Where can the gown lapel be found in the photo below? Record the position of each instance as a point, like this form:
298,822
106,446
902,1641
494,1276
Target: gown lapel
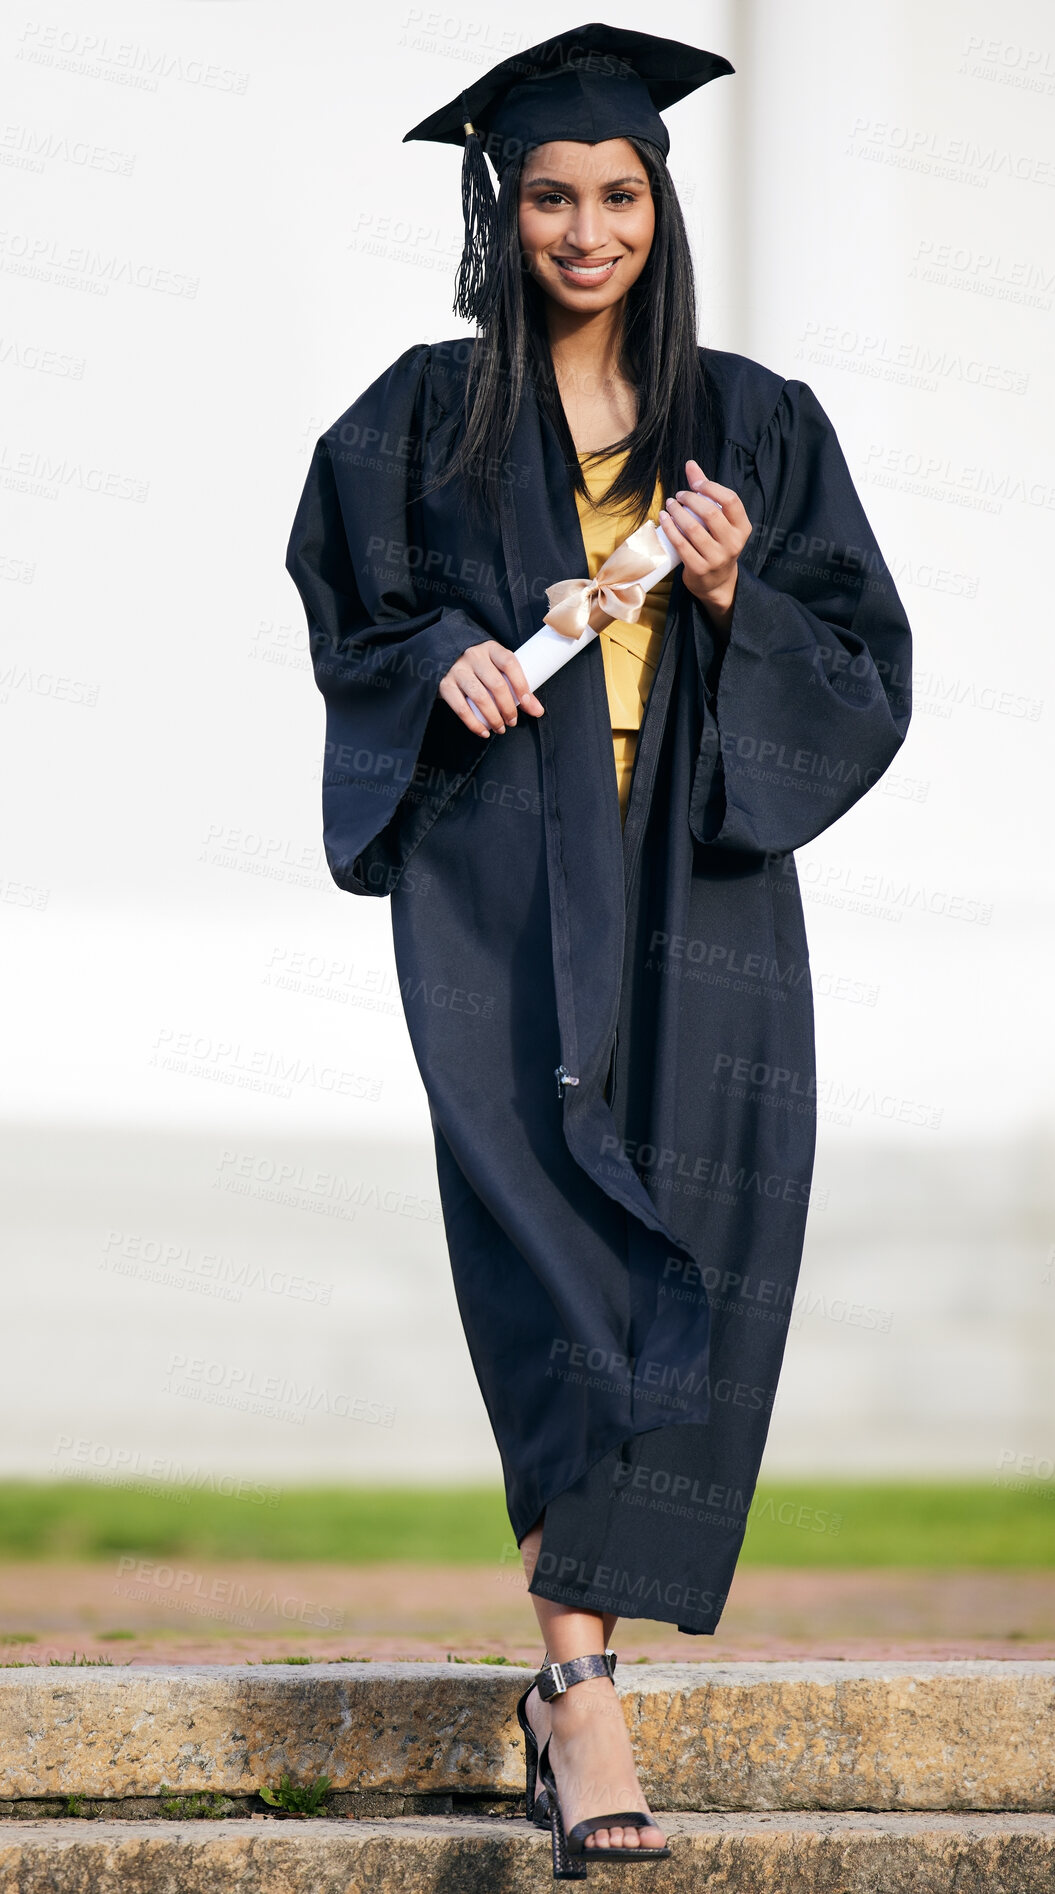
592,859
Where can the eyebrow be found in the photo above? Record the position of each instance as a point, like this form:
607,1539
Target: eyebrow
558,185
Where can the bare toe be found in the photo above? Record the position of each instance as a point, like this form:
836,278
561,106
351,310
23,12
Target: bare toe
626,1838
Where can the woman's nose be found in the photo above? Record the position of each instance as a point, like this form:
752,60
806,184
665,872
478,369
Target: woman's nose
586,229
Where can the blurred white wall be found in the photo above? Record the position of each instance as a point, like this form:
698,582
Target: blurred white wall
213,239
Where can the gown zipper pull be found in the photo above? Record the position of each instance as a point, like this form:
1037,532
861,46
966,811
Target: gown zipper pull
563,1078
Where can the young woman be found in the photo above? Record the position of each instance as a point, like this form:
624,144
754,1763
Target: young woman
596,917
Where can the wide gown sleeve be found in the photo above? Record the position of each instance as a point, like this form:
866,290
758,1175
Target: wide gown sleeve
809,700
378,656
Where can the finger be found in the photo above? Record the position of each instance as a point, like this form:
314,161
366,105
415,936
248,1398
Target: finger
695,532
731,503
703,506
494,679
690,555
713,517
468,675
466,710
699,483
698,480
463,709
508,662
711,511
481,700
468,678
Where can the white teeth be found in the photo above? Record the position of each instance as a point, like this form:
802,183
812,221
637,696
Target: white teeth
586,269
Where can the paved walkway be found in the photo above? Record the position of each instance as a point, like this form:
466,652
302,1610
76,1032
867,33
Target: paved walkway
146,1611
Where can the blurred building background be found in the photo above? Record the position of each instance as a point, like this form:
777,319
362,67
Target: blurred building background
225,1249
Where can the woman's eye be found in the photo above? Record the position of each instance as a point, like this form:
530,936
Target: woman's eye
558,197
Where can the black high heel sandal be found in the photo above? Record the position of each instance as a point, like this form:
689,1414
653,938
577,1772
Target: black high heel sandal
536,1806
570,1854
536,1800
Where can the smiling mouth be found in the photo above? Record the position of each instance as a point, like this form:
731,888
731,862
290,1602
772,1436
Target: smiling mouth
581,272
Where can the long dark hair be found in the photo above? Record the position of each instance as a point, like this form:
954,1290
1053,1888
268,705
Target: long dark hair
658,354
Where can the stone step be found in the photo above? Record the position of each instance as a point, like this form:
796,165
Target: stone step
751,1854
897,1735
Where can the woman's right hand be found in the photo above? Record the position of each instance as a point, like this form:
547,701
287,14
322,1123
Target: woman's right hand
491,675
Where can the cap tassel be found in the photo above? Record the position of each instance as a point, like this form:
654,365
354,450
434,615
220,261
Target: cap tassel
480,213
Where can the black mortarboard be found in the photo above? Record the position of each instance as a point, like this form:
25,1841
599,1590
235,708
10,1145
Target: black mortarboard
592,83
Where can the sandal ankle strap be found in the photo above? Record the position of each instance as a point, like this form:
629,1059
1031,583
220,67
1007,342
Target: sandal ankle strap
554,1679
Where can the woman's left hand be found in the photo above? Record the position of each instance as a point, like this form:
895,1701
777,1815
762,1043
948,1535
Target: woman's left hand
709,538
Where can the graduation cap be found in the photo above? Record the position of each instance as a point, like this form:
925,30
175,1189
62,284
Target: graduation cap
589,84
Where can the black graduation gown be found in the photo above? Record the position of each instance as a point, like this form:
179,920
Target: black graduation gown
625,1244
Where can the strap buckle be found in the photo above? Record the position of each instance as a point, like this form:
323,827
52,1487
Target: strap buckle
555,1679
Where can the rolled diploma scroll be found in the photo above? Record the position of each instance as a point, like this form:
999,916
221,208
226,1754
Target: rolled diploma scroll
547,650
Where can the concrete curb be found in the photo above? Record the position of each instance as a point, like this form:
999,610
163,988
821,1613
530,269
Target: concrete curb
897,1736
728,1854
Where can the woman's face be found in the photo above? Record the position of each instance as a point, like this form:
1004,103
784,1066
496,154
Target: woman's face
586,221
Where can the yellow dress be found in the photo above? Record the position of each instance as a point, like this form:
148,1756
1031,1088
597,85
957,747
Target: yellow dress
630,652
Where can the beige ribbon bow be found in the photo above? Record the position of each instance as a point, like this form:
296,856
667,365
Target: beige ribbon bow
615,591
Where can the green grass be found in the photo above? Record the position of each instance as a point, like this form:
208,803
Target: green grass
917,1524
81,1519
804,1523
298,1798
